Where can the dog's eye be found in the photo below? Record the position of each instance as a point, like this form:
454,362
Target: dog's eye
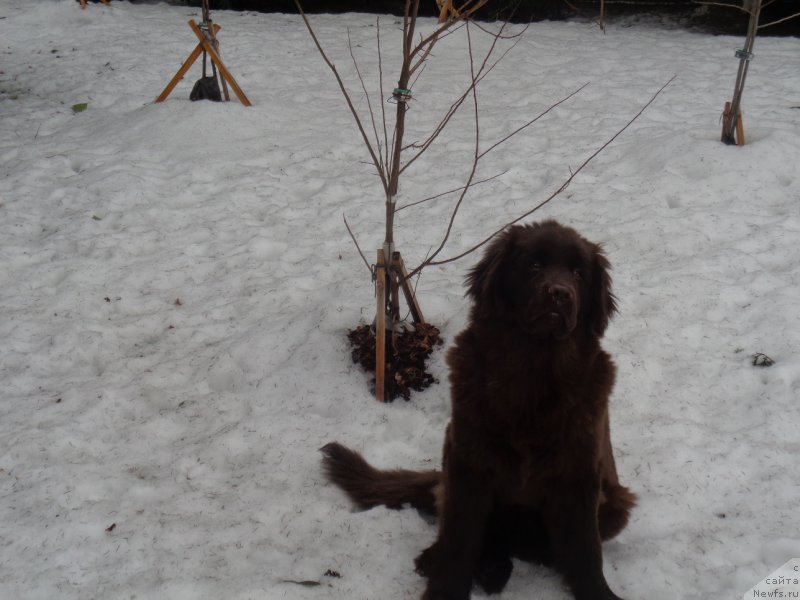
536,267
577,274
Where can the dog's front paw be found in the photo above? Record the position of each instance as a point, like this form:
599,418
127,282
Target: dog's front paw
492,572
435,594
425,561
606,594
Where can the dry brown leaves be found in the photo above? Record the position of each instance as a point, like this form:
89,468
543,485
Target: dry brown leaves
406,354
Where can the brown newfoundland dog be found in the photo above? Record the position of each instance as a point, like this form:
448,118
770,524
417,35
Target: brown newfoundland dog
528,470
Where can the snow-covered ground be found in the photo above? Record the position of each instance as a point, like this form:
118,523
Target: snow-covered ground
176,284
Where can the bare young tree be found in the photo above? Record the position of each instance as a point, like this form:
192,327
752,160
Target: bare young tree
388,152
391,156
732,128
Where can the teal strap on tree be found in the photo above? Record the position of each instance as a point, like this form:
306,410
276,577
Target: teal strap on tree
742,53
402,94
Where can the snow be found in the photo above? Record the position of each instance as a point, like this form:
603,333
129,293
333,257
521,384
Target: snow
176,284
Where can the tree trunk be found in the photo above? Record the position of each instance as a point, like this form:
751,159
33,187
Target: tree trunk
729,124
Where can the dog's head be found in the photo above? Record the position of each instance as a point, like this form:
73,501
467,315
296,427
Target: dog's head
546,279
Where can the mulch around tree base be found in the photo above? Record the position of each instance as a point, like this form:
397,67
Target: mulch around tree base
406,355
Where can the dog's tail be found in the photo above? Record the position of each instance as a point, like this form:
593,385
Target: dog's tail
368,486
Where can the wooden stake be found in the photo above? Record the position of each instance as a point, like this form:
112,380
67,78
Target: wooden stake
603,15
380,328
739,130
411,298
739,127
446,9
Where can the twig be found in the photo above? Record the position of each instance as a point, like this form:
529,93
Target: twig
475,160
481,73
421,60
366,95
380,85
794,16
502,37
453,191
516,131
346,94
532,121
553,195
417,76
450,31
355,241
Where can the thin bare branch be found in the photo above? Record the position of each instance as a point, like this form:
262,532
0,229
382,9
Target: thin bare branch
450,31
425,45
421,60
480,74
417,76
563,187
369,102
355,241
473,169
375,160
453,191
510,36
450,113
532,121
794,16
394,140
380,90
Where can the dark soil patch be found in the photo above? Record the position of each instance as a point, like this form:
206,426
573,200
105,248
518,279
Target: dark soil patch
406,355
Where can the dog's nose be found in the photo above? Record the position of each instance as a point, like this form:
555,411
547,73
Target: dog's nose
560,293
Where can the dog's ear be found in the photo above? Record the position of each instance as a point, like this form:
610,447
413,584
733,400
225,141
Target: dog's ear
601,303
486,281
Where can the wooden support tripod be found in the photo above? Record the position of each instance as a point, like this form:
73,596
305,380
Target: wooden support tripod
206,33
390,278
446,9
